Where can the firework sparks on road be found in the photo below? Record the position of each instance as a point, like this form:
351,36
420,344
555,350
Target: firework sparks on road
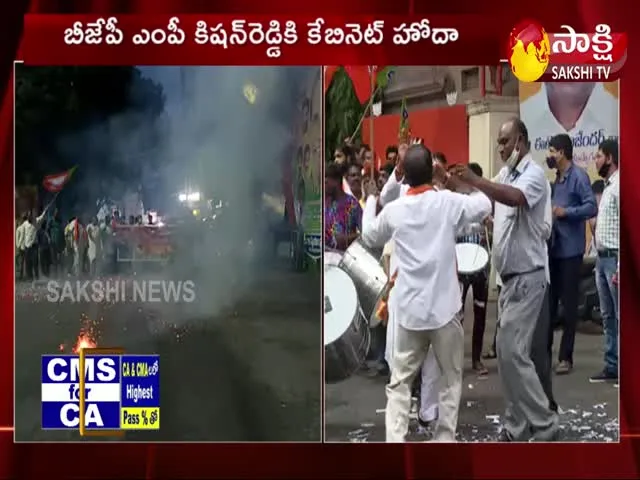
87,338
83,341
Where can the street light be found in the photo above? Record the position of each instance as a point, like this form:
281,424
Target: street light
192,197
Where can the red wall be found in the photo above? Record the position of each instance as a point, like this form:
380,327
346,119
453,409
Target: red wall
443,129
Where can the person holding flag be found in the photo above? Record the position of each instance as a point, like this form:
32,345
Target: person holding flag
55,183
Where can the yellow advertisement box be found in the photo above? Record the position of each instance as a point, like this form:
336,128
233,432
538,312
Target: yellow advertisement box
140,418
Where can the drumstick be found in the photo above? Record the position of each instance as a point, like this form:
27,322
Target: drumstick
486,232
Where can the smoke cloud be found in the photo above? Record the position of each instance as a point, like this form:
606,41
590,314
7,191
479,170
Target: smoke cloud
212,139
222,144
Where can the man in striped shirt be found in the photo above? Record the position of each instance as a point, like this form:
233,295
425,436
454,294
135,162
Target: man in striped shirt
607,261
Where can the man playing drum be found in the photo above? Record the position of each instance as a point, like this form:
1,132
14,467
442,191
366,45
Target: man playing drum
476,233
423,224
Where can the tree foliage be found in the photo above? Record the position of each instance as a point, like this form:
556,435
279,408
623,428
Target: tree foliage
343,110
65,116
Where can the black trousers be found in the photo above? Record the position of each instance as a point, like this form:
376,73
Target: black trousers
565,287
31,262
480,289
45,260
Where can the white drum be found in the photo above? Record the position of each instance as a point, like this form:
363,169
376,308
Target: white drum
472,258
346,334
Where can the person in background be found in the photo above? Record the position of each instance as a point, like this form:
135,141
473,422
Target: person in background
108,257
380,365
44,249
56,234
597,188
365,155
607,262
20,248
29,244
573,204
94,246
342,212
479,282
76,235
116,219
384,174
344,154
354,180
442,160
391,155
132,220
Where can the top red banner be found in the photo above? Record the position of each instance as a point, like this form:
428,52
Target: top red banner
268,40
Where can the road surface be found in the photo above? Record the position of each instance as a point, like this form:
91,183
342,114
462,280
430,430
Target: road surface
354,409
251,371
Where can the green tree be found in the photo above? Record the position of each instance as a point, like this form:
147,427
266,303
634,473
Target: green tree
343,110
54,103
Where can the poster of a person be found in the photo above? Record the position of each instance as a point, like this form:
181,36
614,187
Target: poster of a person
587,112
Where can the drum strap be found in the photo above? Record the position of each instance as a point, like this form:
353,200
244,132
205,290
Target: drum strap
383,309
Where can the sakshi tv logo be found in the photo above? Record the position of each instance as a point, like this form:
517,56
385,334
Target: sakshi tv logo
537,55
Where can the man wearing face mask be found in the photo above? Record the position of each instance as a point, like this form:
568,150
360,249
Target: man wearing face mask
607,262
573,204
520,257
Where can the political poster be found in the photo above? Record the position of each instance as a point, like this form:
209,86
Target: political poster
587,112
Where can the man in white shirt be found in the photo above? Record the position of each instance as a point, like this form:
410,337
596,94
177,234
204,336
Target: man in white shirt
26,237
520,257
94,250
20,252
422,224
607,262
426,385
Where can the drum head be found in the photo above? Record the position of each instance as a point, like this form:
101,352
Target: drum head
340,303
471,258
332,257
